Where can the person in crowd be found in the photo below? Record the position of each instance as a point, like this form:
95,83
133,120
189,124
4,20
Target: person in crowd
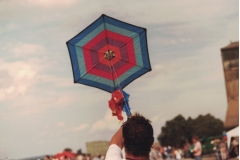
223,150
197,150
169,152
216,148
88,156
185,150
47,158
234,148
163,153
155,153
102,157
178,154
136,136
97,157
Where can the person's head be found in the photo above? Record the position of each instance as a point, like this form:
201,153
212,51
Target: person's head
195,139
138,135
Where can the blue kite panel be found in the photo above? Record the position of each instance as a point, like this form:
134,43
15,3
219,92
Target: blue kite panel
86,31
144,48
74,60
121,24
96,85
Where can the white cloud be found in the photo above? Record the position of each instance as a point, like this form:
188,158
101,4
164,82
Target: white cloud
27,111
61,124
109,122
48,4
19,76
56,80
99,125
53,3
50,133
154,119
22,49
80,127
170,40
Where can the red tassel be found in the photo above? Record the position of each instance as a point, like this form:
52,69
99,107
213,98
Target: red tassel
116,104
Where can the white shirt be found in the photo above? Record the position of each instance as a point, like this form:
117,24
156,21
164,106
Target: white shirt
198,149
114,153
178,154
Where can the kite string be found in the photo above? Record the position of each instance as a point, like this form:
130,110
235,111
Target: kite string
114,74
117,80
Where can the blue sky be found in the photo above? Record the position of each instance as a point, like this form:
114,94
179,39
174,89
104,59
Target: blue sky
42,111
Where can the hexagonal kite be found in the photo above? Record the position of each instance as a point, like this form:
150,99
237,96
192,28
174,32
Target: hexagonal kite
109,54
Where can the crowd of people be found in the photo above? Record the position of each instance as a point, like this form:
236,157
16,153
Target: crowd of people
166,153
171,153
75,157
219,150
222,151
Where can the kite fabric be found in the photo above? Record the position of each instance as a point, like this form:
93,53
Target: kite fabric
106,35
109,54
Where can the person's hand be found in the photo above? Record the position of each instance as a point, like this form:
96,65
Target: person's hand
117,138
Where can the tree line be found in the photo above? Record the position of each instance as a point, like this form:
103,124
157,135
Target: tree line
179,131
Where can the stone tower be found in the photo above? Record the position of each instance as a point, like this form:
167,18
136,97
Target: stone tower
230,61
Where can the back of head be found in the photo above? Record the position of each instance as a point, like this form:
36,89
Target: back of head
195,138
138,135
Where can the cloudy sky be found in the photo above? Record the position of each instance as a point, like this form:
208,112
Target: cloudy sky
42,111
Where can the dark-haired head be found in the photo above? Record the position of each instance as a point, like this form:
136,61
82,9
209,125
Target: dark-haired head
195,139
138,135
